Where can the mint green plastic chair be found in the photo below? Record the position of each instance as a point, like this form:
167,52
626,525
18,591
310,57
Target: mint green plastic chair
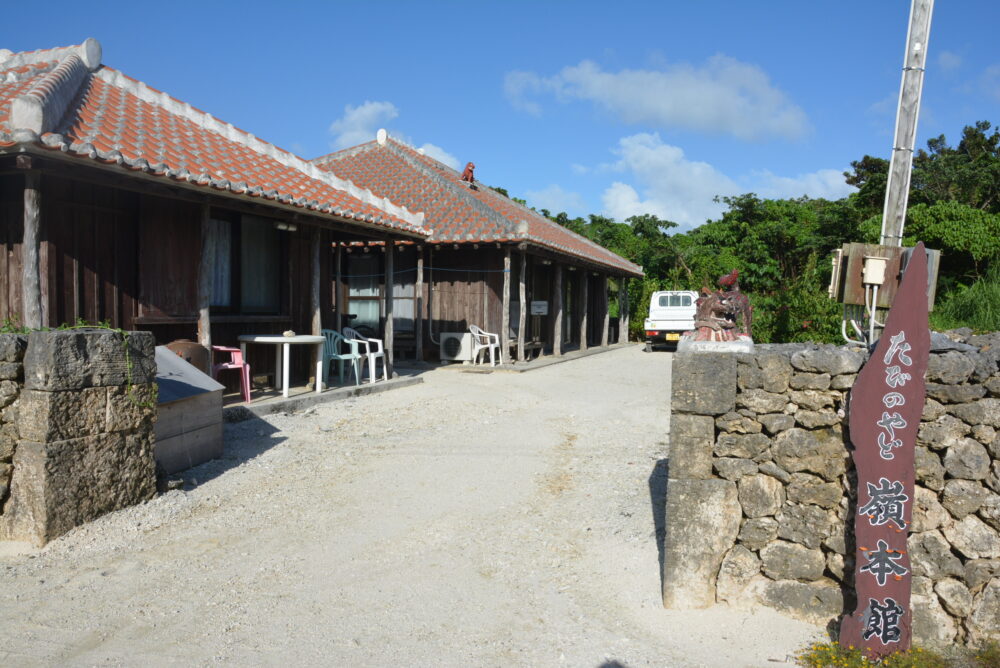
333,349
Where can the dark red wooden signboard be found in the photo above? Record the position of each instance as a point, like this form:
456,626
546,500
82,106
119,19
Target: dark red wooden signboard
886,402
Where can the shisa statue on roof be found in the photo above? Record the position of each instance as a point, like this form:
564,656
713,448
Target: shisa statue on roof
725,314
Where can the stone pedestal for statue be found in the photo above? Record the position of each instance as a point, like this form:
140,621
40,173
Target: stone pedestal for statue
689,344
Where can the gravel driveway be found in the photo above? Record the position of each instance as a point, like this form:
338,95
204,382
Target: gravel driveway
477,519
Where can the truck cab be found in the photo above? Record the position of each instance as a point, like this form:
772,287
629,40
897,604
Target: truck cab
671,313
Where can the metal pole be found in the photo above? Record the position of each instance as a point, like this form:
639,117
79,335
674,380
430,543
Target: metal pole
897,189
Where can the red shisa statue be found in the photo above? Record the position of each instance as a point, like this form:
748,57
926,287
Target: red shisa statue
723,315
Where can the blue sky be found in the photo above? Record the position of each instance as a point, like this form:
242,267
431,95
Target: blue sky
588,107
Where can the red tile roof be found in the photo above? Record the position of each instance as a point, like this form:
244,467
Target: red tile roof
89,111
454,212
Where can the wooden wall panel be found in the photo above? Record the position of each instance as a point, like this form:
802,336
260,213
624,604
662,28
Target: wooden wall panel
11,225
169,254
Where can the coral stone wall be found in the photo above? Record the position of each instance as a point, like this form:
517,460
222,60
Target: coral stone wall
12,347
76,428
760,487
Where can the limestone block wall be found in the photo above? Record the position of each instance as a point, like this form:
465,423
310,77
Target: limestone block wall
76,428
760,497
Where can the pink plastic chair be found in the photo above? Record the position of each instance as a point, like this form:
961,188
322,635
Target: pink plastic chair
235,362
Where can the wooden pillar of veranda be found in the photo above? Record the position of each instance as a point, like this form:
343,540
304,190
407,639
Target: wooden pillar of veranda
338,308
584,308
206,270
31,275
605,311
505,316
316,326
623,310
419,295
522,293
390,284
557,306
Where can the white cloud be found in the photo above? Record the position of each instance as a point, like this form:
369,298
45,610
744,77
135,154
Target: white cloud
948,60
359,124
439,154
672,186
556,199
821,184
991,81
723,96
669,185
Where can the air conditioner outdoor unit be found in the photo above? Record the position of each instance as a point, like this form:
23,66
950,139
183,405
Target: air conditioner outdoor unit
456,347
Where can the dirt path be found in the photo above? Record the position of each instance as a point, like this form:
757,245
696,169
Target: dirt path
474,520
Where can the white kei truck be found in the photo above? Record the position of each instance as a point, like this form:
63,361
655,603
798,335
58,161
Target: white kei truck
671,313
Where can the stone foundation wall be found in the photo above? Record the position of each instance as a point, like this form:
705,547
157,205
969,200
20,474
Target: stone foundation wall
760,497
12,347
76,428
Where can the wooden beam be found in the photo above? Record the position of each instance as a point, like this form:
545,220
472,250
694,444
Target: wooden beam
606,311
584,308
206,270
418,293
390,284
522,318
31,282
314,298
558,307
623,310
505,316
338,295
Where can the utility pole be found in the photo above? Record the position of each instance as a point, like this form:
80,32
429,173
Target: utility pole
898,188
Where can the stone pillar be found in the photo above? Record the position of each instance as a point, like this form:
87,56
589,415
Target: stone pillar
702,512
85,427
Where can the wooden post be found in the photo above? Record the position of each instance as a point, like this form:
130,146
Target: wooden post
206,271
623,309
584,308
558,307
338,297
522,319
505,316
31,281
607,312
419,295
390,284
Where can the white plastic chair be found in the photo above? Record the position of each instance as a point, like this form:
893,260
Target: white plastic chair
373,350
482,341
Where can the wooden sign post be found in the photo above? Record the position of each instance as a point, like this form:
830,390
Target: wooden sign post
885,406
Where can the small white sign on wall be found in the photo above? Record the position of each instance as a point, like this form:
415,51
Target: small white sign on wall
539,308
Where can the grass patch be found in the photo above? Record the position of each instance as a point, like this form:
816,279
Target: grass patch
834,655
976,306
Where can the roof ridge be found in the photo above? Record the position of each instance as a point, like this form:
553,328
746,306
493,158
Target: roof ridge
483,208
44,104
210,123
89,52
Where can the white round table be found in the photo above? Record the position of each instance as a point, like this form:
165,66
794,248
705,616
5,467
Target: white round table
282,344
